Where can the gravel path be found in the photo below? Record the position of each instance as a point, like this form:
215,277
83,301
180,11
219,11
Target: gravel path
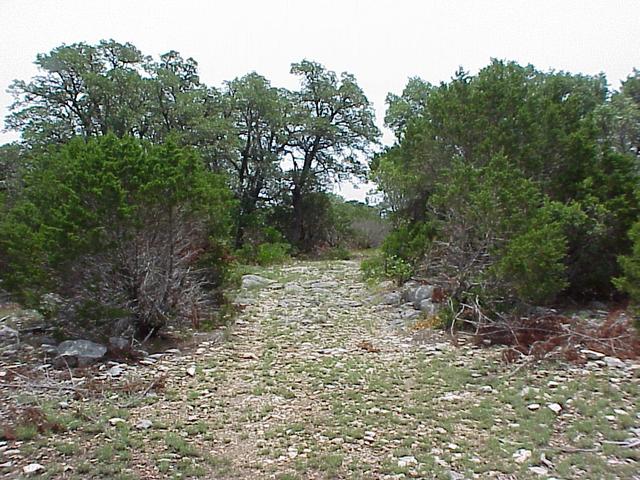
313,382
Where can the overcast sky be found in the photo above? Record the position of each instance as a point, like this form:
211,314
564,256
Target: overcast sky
381,42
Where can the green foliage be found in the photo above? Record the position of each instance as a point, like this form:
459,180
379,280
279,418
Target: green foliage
264,246
408,241
531,267
527,178
629,281
496,237
380,266
118,221
270,253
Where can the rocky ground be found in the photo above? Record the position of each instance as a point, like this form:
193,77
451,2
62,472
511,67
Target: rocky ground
318,380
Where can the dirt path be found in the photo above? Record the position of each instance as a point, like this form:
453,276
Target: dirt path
313,382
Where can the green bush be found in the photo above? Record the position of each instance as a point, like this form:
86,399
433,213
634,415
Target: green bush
531,267
373,268
122,223
629,281
270,253
409,242
527,176
264,246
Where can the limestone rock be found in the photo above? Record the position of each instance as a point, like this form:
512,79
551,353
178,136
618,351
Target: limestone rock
522,455
555,407
8,334
407,461
144,424
79,353
614,362
255,281
409,291
392,298
428,307
423,292
592,355
32,468
119,343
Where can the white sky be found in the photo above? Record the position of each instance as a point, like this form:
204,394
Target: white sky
381,42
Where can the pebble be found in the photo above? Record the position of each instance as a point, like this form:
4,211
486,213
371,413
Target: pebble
533,406
522,455
555,407
32,468
116,420
115,371
538,470
144,424
191,371
407,461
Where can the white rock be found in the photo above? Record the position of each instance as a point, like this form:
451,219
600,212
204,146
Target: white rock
614,362
255,281
539,470
555,407
144,424
8,333
32,468
592,354
522,455
115,371
423,292
533,406
428,307
407,461
486,389
191,371
116,420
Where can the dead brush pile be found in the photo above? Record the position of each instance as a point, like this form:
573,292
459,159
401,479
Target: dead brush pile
29,416
561,337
